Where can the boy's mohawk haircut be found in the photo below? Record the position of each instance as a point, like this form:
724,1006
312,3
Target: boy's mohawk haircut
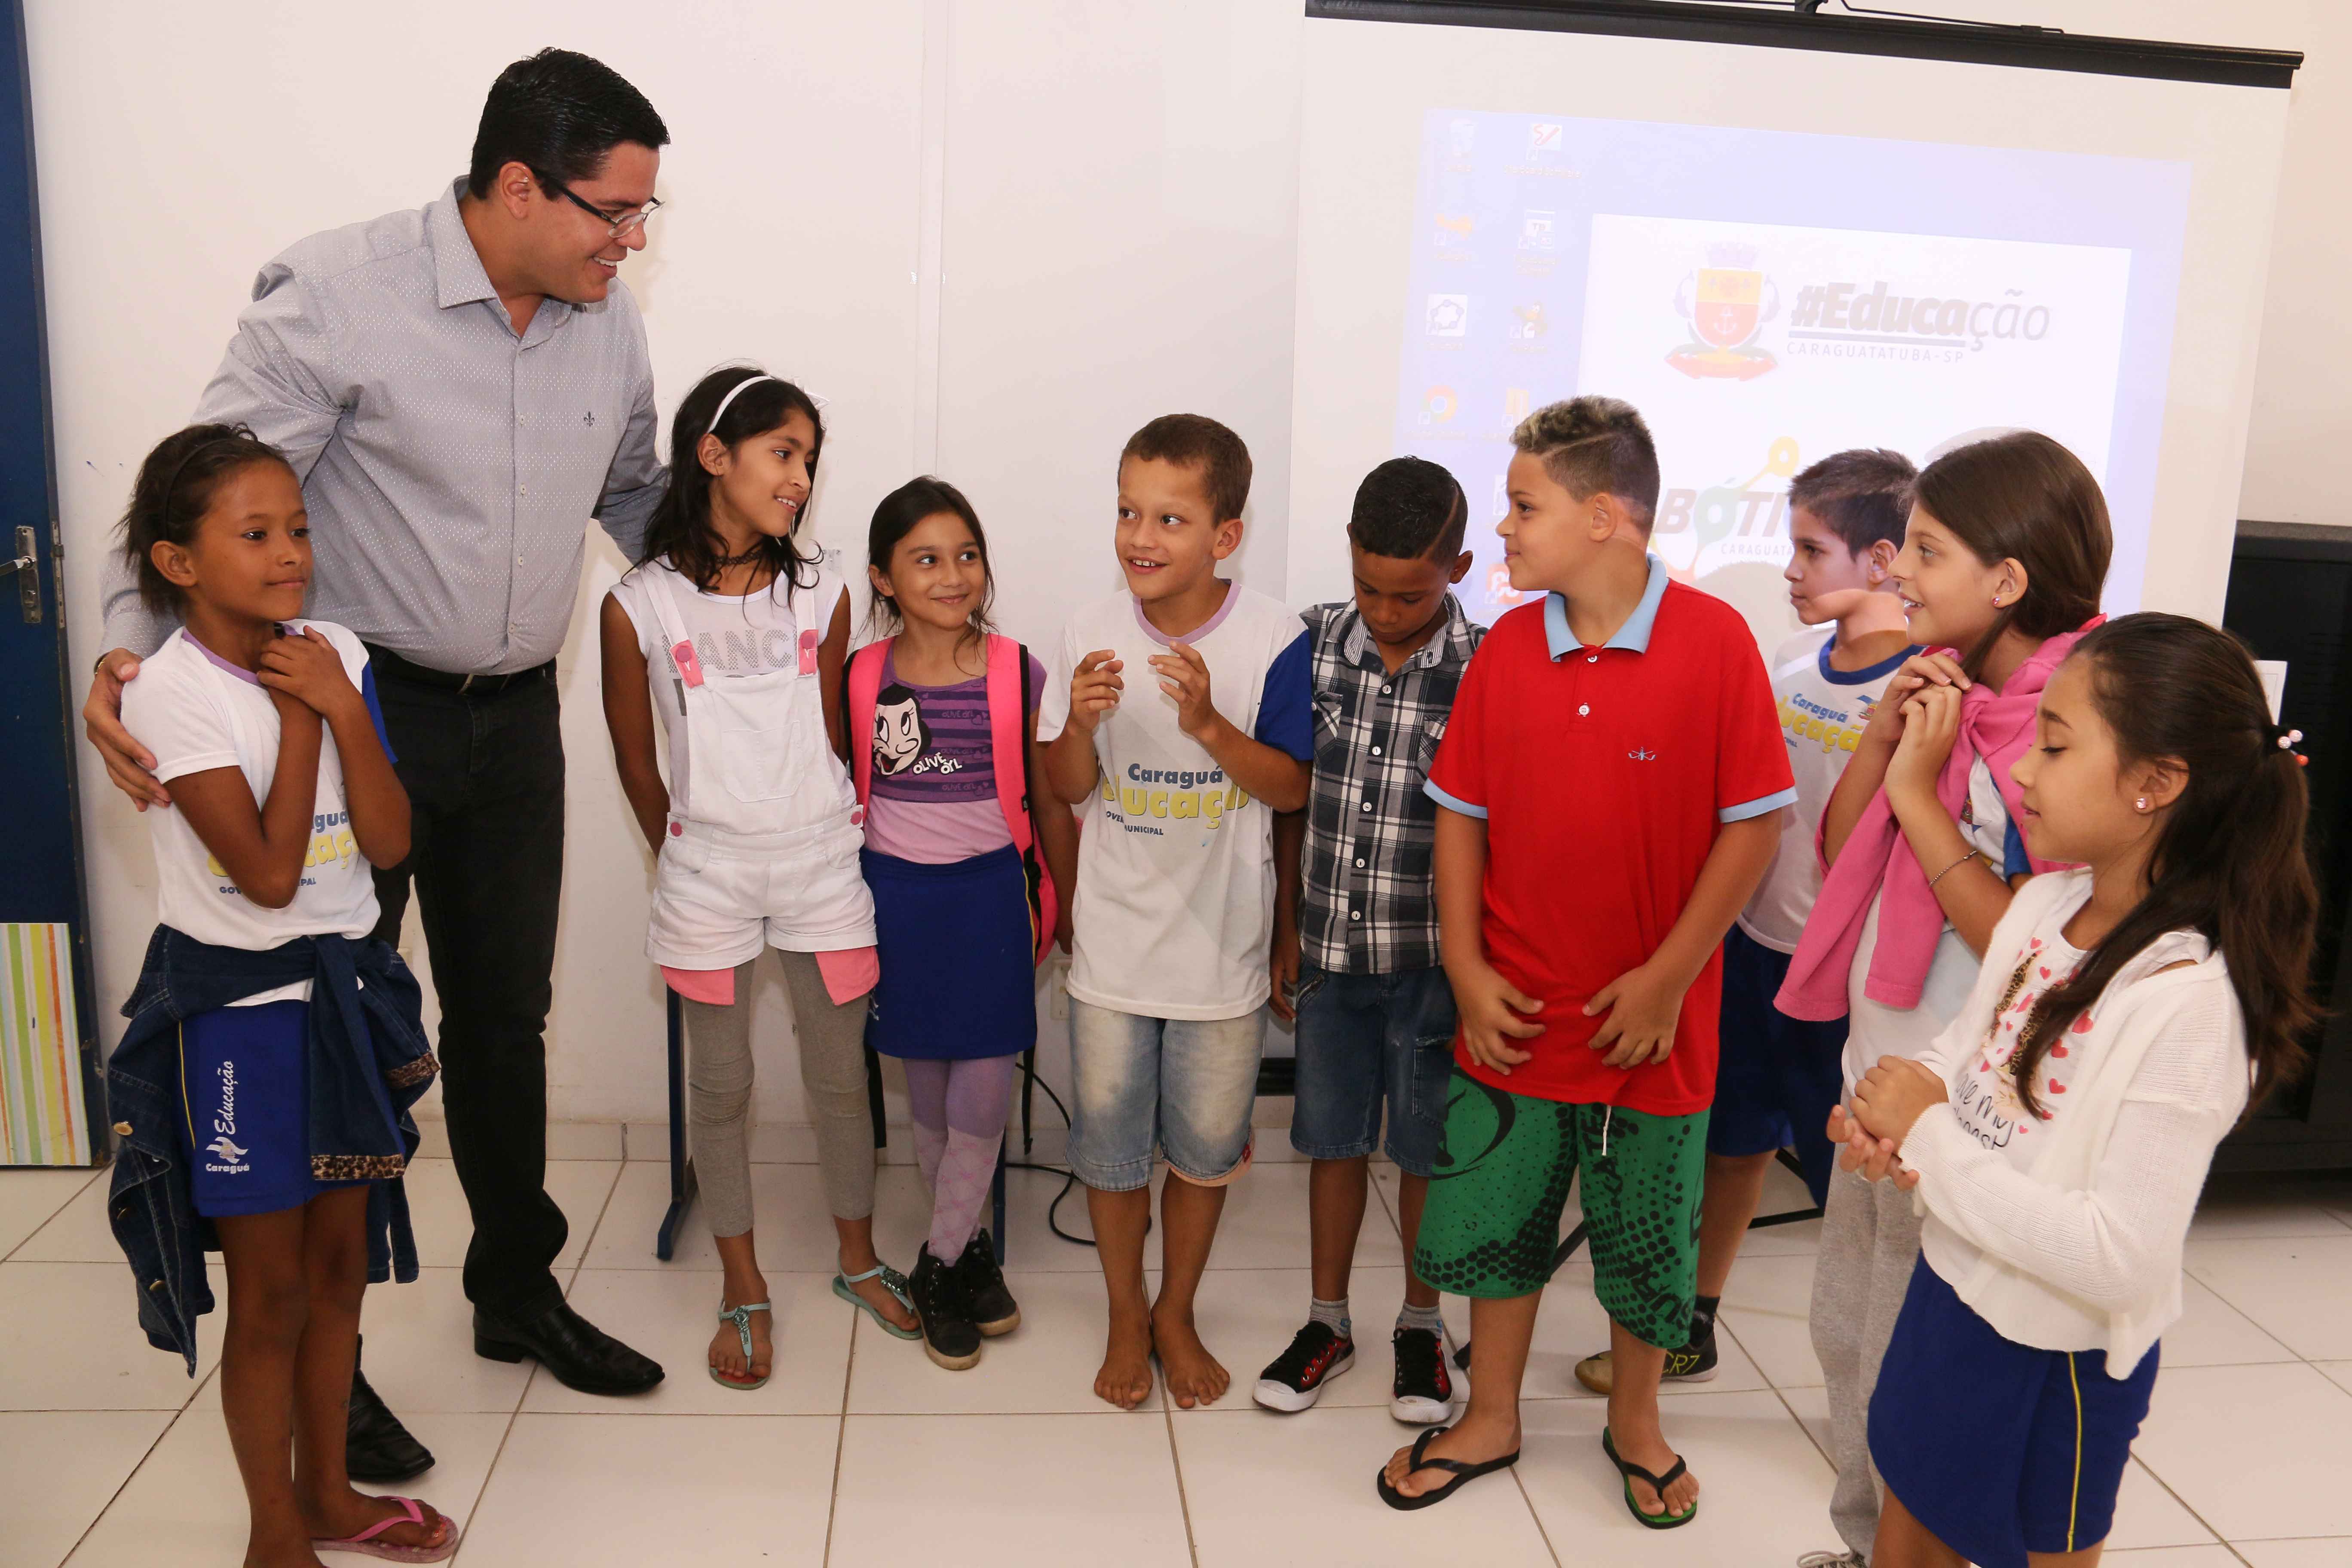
1593,443
1197,441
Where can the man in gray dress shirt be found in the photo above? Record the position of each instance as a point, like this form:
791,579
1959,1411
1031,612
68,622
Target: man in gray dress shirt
461,388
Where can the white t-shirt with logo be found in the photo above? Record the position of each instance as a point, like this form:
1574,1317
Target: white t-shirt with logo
1873,1030
1822,714
197,712
1175,900
734,633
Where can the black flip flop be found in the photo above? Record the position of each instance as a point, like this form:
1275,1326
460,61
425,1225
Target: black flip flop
1463,1473
1627,1469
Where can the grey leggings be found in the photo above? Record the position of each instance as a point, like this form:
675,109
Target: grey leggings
833,1069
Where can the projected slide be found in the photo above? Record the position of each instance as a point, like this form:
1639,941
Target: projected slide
1767,299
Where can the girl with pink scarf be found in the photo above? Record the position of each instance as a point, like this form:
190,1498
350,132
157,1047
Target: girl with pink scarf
1999,574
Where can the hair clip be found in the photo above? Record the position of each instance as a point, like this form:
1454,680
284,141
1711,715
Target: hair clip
2288,741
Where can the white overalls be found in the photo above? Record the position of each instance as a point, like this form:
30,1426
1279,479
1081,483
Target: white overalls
766,854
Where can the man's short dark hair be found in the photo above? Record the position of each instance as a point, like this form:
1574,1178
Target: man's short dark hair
1589,445
559,114
1409,508
1197,441
1864,495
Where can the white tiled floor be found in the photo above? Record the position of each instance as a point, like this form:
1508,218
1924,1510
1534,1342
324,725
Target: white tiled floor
860,1450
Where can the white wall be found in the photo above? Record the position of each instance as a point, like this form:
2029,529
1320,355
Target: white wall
996,234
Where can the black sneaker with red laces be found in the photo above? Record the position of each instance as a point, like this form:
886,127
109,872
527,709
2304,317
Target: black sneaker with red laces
1424,1391
1295,1382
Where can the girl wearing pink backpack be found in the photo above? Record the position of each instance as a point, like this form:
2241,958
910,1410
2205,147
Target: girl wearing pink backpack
967,883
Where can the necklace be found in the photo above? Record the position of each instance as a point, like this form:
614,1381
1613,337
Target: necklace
757,553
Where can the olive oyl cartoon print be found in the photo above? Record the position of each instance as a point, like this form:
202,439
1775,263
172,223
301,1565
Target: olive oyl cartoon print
901,737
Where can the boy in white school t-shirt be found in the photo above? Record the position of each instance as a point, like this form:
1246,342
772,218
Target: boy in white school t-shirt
1778,1077
1180,717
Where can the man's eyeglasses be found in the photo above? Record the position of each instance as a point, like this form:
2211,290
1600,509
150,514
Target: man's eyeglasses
617,224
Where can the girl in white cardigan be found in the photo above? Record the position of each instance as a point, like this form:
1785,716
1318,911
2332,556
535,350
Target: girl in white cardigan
2060,1131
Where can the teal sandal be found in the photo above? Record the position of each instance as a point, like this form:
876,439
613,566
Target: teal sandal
1627,1471
892,1282
741,1318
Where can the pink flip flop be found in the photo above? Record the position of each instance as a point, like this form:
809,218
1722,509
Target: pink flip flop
367,1544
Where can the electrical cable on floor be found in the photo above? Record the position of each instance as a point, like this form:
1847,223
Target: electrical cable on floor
1069,1177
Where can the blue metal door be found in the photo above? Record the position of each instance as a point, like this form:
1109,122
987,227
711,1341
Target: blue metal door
49,1100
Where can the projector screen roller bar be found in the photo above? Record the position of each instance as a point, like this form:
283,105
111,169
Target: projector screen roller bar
1968,43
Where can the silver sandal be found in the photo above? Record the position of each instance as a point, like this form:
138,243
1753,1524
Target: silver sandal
892,1282
741,1318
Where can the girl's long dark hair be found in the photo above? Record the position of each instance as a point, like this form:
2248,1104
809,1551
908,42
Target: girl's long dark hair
2229,860
681,531
2022,497
895,517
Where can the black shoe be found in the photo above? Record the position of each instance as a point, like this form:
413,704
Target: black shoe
950,1337
1295,1380
1695,1363
1423,1393
376,1446
576,1351
989,1305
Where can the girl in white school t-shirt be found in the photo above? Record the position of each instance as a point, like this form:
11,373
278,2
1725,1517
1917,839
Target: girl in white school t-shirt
263,729
2058,1133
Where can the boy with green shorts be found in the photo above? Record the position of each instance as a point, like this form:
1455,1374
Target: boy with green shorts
1611,782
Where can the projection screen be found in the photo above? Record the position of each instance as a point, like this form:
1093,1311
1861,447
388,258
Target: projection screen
1775,253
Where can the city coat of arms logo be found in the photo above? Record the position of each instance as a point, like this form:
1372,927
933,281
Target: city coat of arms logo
1726,302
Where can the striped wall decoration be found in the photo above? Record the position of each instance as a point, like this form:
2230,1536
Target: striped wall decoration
43,1121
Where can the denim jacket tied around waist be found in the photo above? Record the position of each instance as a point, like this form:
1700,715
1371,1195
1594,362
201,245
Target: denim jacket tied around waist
368,1063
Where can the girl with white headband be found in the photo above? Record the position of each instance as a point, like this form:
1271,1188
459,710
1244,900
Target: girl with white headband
734,633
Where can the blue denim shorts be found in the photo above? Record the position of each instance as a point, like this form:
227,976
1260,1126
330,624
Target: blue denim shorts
1366,1041
1180,1087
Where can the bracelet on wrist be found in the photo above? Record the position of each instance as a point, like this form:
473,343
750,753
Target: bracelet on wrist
1971,855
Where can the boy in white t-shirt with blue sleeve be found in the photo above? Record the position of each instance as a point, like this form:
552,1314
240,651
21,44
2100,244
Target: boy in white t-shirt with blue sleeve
1174,906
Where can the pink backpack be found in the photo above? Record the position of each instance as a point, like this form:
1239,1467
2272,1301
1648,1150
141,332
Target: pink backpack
1009,717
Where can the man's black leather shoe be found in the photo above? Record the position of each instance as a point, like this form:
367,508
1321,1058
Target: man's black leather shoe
376,1446
580,1355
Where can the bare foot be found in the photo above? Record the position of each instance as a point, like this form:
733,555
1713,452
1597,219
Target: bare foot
1125,1379
1653,1456
1194,1377
349,1512
727,1345
1469,1444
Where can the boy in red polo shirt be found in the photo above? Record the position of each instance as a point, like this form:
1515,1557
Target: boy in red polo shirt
1612,779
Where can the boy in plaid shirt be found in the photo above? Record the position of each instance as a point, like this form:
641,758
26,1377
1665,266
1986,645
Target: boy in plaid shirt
1358,940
